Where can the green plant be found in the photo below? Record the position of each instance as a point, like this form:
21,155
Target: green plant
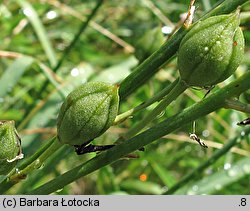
10,147
144,106
87,113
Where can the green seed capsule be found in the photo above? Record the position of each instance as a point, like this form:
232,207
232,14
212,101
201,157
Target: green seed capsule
87,112
10,146
211,51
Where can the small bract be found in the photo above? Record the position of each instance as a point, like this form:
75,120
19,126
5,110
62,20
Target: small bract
87,112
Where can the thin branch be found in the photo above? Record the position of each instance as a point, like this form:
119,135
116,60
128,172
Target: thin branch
159,13
237,105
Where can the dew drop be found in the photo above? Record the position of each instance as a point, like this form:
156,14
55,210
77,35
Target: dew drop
242,133
246,168
59,190
206,48
17,171
28,12
218,187
227,166
205,133
188,148
218,42
74,72
51,15
166,30
37,164
195,188
164,188
232,173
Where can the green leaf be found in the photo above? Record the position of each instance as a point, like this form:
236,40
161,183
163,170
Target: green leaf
117,72
219,180
165,176
140,187
39,29
13,74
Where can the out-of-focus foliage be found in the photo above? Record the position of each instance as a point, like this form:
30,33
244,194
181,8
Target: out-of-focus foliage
29,49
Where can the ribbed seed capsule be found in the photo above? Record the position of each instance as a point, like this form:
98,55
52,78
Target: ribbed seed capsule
211,51
87,112
10,146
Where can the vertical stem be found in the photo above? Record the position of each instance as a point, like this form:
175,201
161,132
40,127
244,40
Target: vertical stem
179,88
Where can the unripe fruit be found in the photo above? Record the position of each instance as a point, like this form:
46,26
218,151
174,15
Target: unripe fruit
10,146
87,112
211,51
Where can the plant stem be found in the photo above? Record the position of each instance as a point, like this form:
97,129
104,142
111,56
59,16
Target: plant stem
38,153
179,88
152,64
206,4
196,172
237,105
38,162
202,108
30,164
37,176
120,118
29,160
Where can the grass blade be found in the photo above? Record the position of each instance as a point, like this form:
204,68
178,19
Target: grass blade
13,74
40,30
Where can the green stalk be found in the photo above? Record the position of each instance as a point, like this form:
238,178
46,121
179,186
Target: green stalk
38,153
31,164
196,172
202,108
38,162
38,176
152,64
27,161
120,118
237,105
179,88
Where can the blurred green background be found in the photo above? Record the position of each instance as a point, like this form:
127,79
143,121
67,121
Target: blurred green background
33,38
